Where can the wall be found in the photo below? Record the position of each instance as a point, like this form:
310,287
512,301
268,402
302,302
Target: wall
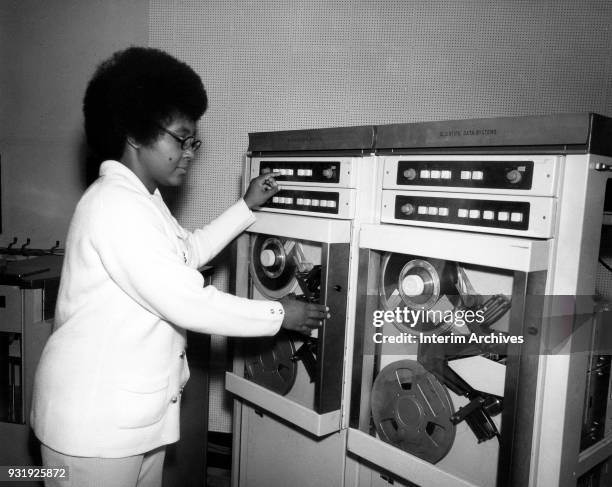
289,64
48,51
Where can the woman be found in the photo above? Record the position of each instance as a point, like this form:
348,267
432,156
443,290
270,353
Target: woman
108,386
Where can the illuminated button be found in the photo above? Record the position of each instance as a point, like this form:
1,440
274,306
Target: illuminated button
474,213
314,202
425,174
432,210
307,172
422,210
466,175
289,172
435,174
331,204
266,170
462,213
307,201
275,199
516,217
443,211
300,172
488,215
300,201
288,201
323,203
283,172
503,216
477,175
446,175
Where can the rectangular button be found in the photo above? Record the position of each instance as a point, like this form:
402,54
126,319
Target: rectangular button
446,175
288,201
314,202
516,217
300,201
289,172
466,175
503,216
331,204
307,172
425,174
323,203
300,172
275,199
435,174
432,210
477,175
488,215
462,213
443,211
474,213
307,201
422,210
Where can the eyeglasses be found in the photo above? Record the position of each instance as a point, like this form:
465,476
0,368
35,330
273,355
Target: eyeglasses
187,143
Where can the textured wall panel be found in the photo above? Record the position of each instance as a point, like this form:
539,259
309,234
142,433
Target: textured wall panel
292,64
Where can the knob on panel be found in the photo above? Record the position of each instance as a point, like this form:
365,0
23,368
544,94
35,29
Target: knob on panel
329,172
514,176
410,174
407,209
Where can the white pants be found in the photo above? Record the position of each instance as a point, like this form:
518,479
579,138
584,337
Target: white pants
136,471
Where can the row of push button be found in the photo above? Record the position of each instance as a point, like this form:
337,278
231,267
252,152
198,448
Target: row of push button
432,210
303,201
502,216
476,175
445,174
435,174
291,172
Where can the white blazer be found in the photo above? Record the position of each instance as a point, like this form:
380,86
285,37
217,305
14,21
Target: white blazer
111,375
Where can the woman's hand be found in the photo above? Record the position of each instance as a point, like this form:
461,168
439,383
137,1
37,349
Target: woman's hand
261,189
302,316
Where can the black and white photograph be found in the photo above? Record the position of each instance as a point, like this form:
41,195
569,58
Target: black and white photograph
316,243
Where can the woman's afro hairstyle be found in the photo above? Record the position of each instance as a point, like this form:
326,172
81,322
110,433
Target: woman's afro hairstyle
133,93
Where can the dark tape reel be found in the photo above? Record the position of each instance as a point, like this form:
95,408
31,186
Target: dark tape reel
417,284
272,364
272,269
411,410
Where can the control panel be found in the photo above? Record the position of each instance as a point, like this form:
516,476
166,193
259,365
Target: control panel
308,171
530,175
500,214
530,216
338,203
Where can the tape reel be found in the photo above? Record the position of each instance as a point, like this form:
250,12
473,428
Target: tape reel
418,284
411,410
272,363
271,266
275,263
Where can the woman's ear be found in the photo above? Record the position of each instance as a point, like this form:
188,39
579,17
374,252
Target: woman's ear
132,143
